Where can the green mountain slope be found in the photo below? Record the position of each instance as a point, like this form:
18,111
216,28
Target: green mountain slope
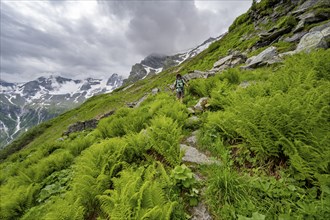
268,126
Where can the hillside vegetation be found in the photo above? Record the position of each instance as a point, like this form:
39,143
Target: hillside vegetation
269,127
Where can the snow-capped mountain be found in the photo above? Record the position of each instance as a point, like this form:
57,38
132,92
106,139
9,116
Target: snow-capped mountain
156,63
27,104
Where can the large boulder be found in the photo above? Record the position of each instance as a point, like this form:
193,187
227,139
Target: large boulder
268,56
312,40
318,37
234,59
195,75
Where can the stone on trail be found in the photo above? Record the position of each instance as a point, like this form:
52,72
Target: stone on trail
200,212
192,155
200,106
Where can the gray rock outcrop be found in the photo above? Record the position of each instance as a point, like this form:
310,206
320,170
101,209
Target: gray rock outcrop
192,140
200,212
317,37
155,91
274,34
81,126
268,56
192,155
309,18
196,74
231,60
296,37
309,4
137,103
313,40
320,27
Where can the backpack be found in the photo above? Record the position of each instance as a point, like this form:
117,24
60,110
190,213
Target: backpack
179,83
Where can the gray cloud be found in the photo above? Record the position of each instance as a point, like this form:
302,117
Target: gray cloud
82,39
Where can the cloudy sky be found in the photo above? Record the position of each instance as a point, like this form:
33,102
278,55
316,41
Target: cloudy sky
95,38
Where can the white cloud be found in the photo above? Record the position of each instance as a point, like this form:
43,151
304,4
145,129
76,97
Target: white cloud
98,38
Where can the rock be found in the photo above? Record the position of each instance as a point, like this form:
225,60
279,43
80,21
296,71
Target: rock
222,61
310,17
296,37
81,126
193,119
308,4
192,140
138,103
326,35
195,75
272,35
268,56
127,87
131,104
289,53
237,61
311,41
106,114
200,106
155,91
234,59
244,84
300,26
192,155
200,212
60,139
319,37
90,124
320,27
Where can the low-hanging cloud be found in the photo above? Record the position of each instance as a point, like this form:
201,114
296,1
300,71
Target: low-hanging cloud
97,38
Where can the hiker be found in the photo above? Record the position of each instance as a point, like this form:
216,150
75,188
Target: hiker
179,86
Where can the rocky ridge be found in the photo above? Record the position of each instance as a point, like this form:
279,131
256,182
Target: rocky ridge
24,105
155,63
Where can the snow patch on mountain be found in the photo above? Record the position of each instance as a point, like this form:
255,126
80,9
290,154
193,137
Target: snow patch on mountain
156,63
27,104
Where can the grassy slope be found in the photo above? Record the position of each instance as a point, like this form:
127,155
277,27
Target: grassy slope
264,135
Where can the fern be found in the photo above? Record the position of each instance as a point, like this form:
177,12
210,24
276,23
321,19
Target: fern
137,194
164,138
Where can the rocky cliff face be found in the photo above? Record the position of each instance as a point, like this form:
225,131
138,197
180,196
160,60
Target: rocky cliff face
28,104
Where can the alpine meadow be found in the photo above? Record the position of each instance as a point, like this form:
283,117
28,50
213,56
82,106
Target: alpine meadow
251,139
